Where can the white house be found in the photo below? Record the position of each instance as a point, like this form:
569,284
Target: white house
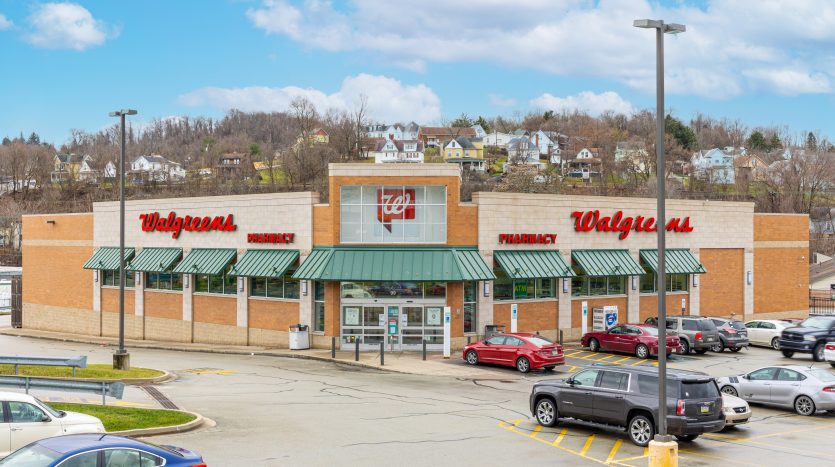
632,154
714,166
392,151
157,168
521,150
396,131
548,143
86,173
497,138
479,131
109,170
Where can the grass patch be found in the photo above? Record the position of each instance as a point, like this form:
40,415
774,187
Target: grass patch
95,371
128,418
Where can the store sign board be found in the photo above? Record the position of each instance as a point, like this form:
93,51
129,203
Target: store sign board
531,238
395,204
270,237
587,221
154,222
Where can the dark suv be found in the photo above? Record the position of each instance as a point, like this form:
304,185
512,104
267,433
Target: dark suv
809,336
627,397
733,335
696,333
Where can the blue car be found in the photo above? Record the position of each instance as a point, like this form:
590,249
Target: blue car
100,450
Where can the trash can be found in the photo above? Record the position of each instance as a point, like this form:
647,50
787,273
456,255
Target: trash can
299,337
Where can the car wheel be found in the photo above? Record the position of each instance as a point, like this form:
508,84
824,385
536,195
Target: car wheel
523,365
817,354
775,343
832,364
472,357
594,346
701,351
641,430
641,351
735,349
804,405
719,347
546,412
549,368
787,353
685,347
686,438
730,390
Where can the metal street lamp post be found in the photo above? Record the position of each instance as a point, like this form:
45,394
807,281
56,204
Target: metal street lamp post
660,174
121,359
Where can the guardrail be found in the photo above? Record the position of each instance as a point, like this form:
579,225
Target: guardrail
74,362
113,389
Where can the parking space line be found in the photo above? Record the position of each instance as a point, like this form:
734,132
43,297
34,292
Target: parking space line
607,357
587,445
589,356
560,437
639,362
614,451
535,431
617,362
512,428
575,353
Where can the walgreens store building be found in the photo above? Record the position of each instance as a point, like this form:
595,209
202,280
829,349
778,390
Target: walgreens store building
392,248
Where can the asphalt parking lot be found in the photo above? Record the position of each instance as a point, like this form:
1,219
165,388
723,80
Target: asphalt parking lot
276,411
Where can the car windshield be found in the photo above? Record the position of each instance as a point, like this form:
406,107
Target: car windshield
650,331
707,325
817,322
699,390
822,375
53,412
33,455
738,325
539,341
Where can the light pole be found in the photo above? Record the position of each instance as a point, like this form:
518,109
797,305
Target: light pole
660,174
121,359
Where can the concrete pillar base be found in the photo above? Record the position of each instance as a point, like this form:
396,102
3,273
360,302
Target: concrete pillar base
663,454
121,361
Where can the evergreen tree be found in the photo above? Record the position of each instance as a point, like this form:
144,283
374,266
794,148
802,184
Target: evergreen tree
681,132
484,124
33,139
775,143
811,142
756,142
7,141
463,121
548,115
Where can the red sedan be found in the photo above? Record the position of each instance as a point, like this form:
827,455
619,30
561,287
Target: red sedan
638,339
522,350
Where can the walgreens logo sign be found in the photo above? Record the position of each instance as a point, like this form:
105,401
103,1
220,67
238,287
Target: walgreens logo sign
395,204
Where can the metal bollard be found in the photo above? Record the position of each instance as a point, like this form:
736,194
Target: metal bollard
560,336
333,347
382,353
424,350
103,392
357,351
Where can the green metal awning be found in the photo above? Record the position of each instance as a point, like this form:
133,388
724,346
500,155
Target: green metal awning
677,261
210,261
394,264
107,258
533,264
265,263
155,259
597,263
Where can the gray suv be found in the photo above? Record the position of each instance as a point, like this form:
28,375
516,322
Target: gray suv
627,397
696,333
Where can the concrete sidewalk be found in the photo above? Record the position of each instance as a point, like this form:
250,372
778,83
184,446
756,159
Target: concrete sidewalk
396,362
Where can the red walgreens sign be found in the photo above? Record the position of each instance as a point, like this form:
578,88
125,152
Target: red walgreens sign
542,239
393,204
270,237
586,221
153,222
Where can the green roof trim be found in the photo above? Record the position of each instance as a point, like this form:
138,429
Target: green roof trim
394,264
155,259
211,261
107,258
597,263
533,264
677,261
265,263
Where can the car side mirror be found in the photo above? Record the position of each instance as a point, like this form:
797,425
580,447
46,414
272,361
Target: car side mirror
486,343
744,377
570,381
46,418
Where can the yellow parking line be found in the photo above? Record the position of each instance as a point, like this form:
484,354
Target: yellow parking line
589,356
560,437
639,362
608,357
575,353
626,459
614,450
536,430
617,362
587,445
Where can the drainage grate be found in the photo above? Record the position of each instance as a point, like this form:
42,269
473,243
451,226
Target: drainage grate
159,397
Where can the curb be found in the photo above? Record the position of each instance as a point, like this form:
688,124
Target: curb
167,430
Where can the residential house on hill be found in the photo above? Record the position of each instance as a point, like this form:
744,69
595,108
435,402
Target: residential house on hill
109,171
713,166
391,151
434,137
586,164
394,131
468,153
66,167
316,136
633,155
156,168
550,144
233,165
498,138
522,150
750,168
479,131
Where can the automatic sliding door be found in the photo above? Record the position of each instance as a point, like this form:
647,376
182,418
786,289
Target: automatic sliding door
412,320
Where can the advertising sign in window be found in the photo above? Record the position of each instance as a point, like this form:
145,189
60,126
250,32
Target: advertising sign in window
393,214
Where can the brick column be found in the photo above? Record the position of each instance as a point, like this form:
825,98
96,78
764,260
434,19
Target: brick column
485,307
242,307
633,297
748,289
695,292
97,297
139,301
187,304
564,313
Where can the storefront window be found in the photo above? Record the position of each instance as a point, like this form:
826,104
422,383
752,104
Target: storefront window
675,282
584,286
502,286
318,307
219,284
393,214
505,288
111,278
393,290
273,287
470,307
163,281
545,288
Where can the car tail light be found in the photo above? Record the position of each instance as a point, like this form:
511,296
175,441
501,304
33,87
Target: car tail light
680,407
198,465
731,330
829,389
830,346
698,336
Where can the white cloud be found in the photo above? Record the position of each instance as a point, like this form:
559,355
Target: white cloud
388,99
718,57
501,101
66,26
5,23
586,101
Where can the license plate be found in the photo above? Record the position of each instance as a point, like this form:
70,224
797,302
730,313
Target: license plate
705,409
708,339
553,352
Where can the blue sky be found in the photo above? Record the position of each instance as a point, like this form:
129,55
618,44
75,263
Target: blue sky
66,65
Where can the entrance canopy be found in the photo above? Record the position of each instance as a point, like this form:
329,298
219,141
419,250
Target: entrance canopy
265,263
533,264
155,259
394,264
211,261
677,261
107,258
597,263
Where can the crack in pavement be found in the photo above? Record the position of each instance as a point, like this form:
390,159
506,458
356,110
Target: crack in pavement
421,441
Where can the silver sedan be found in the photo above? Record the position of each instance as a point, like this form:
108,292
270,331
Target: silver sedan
802,388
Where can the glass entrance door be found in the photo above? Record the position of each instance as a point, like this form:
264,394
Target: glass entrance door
399,326
411,333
